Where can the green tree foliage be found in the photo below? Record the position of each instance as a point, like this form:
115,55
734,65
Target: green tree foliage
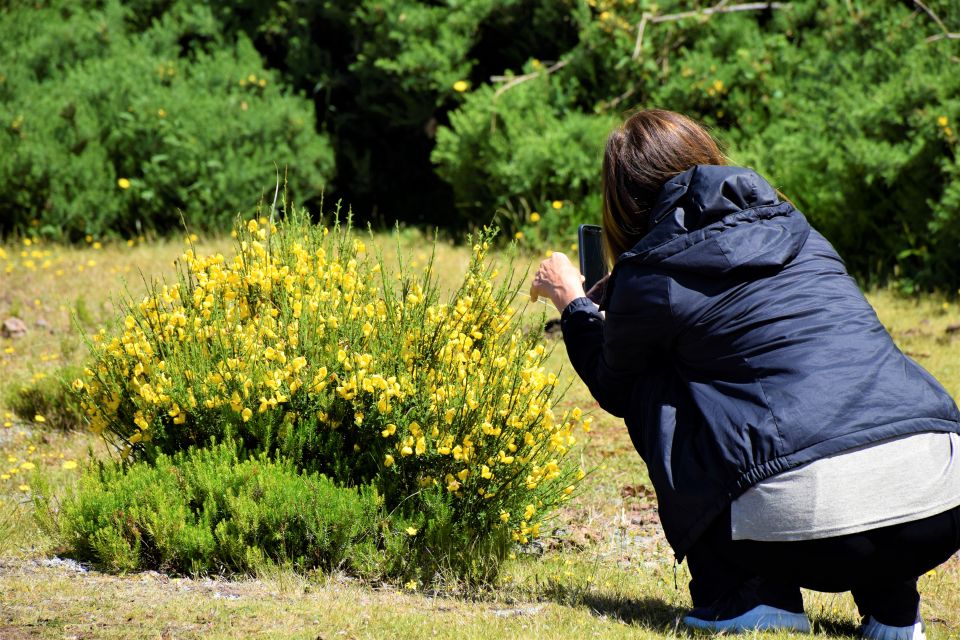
849,108
447,112
384,75
107,130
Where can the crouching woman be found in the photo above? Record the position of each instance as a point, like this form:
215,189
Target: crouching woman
789,441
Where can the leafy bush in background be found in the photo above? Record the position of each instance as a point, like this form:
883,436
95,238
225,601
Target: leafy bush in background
521,151
849,107
385,73
302,345
107,131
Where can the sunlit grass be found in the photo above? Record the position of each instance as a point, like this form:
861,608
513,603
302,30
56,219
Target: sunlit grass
602,570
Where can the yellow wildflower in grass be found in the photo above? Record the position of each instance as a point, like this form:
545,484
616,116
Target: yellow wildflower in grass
28,466
123,183
943,121
534,217
24,487
69,464
411,531
460,86
39,418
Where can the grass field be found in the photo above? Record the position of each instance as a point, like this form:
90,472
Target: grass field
605,570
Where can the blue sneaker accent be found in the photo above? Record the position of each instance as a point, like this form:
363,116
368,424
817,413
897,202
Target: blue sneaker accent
873,630
762,617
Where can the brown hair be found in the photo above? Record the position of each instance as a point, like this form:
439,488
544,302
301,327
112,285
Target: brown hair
644,152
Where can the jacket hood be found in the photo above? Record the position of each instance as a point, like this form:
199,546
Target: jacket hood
717,219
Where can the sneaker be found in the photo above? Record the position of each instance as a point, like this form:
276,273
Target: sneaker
873,630
760,618
757,604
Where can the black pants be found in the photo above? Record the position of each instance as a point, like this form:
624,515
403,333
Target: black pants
880,567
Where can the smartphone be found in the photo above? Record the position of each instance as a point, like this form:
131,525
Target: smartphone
592,265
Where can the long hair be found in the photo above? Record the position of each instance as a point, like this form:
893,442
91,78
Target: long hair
648,149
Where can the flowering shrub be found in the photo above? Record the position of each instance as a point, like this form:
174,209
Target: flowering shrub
304,345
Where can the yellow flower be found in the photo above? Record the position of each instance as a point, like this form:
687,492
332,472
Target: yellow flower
24,487
942,121
557,204
246,414
504,516
460,86
411,531
534,217
452,484
123,183
69,464
28,466
388,461
412,585
518,235
162,113
39,418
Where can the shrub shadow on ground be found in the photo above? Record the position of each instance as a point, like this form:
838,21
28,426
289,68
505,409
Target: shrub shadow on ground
656,615
833,627
650,613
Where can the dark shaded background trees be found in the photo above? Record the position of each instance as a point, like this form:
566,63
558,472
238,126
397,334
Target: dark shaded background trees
452,113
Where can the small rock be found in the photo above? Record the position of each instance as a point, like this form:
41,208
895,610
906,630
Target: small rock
13,328
60,563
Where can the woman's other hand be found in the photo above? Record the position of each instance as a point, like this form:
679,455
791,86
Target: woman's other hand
596,291
557,279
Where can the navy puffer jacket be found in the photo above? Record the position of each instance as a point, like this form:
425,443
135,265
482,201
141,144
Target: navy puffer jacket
736,346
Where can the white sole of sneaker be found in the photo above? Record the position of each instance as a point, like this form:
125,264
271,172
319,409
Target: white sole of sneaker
760,618
873,630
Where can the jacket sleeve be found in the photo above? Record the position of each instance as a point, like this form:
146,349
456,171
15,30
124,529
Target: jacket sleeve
613,354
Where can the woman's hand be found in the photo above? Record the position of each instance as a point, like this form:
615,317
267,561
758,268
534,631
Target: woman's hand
557,279
596,291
